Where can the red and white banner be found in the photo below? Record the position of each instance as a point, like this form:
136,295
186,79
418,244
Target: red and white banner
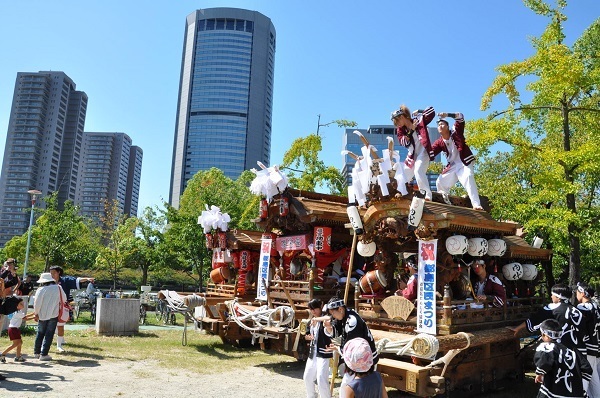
294,242
426,319
263,269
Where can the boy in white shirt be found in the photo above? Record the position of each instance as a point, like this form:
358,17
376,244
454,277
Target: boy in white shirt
14,332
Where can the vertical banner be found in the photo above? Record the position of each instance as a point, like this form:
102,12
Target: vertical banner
263,269
426,321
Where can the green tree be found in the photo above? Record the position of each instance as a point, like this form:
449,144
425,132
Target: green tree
56,235
185,244
304,154
151,227
548,179
121,249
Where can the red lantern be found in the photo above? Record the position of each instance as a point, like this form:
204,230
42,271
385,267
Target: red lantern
222,239
263,210
322,239
284,206
209,241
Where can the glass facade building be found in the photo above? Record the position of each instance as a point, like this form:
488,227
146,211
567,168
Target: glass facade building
43,146
225,95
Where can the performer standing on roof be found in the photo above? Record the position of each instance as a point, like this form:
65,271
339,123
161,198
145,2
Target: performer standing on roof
420,151
459,156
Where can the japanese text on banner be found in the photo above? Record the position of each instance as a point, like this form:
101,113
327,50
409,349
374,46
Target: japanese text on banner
263,269
426,321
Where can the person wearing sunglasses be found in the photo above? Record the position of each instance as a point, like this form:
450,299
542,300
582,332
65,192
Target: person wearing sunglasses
348,325
591,315
487,286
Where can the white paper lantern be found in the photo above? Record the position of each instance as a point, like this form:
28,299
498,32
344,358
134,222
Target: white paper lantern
496,247
477,247
366,249
512,271
457,245
530,272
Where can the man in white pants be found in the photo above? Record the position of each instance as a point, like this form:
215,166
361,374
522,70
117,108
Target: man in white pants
459,156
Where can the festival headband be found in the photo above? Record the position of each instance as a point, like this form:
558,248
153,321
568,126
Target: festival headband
560,296
335,304
553,334
580,289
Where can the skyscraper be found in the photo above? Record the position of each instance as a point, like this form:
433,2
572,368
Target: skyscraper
225,95
111,170
43,145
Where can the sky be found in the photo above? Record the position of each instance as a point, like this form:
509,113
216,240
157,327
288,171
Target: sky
354,60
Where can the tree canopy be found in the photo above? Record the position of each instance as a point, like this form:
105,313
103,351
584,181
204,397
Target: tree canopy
546,174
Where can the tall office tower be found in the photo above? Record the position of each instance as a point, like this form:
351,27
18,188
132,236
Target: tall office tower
134,176
225,95
377,136
43,146
105,173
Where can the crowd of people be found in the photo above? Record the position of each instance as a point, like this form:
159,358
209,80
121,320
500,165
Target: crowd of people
54,289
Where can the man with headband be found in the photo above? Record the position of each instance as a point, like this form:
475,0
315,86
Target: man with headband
559,369
591,315
569,318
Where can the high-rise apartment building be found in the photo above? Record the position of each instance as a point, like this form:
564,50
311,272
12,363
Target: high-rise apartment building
43,146
111,169
377,136
225,95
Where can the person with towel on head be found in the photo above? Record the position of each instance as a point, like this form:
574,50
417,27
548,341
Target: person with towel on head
560,370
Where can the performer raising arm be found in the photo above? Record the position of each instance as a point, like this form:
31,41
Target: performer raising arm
419,148
459,156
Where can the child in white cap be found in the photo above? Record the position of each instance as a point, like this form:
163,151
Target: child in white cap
367,383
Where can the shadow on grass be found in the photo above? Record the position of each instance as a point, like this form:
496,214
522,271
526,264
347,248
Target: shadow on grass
293,369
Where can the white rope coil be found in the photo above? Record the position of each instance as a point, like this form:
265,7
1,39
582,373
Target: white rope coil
261,317
422,346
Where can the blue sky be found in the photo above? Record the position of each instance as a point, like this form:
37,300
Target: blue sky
356,60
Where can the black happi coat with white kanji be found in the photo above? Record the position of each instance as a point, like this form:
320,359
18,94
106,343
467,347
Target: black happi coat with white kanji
570,319
591,315
564,370
351,327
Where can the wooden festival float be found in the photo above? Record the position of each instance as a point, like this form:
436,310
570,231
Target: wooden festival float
449,344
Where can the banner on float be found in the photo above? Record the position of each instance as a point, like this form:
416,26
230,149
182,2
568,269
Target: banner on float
426,321
263,269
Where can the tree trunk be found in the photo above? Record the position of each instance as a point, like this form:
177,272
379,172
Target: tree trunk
574,242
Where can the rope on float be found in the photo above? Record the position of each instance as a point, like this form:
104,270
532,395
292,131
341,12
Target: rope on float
261,317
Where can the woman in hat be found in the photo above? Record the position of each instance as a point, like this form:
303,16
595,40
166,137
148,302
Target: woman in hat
46,308
367,383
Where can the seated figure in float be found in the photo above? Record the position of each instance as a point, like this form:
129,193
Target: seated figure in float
486,286
459,157
408,290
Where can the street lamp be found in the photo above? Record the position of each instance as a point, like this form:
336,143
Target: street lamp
33,193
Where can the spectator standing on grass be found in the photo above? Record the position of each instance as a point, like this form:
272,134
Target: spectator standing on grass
26,287
317,364
68,283
367,382
14,332
46,308
9,274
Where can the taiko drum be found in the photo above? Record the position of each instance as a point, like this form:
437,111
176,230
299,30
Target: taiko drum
220,275
373,282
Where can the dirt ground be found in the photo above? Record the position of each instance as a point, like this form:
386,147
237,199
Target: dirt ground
68,377
92,378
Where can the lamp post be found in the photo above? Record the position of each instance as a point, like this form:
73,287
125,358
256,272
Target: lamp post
33,193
